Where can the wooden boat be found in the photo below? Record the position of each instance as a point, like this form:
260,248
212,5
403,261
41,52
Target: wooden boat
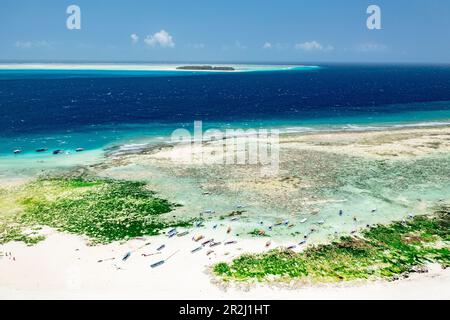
126,256
157,264
215,244
184,233
207,242
197,249
198,238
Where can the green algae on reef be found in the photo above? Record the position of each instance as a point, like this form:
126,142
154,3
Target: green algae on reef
104,210
11,232
382,251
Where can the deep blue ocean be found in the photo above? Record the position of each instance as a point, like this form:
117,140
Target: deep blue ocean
90,109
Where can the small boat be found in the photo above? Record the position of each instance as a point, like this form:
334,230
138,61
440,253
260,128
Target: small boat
171,233
161,247
229,230
103,260
291,247
215,244
184,233
410,216
207,242
270,228
157,264
234,219
374,210
230,242
17,151
150,254
198,238
286,222
304,220
302,242
320,222
268,243
341,212
291,225
215,226
58,151
126,256
79,149
209,252
41,150
199,224
197,249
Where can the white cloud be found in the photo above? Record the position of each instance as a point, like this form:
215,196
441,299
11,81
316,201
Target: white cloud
161,38
32,44
134,38
313,46
371,47
267,45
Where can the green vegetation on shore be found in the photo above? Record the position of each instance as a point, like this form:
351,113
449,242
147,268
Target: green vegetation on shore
383,251
104,210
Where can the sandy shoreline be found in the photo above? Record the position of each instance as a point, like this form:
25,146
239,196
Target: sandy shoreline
140,67
64,267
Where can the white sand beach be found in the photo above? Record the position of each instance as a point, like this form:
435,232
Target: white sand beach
63,267
142,67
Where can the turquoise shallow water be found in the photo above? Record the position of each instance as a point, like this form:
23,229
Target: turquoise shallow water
100,109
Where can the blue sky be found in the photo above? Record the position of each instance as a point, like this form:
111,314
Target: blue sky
226,30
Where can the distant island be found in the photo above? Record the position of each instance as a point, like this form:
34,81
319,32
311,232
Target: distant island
206,68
